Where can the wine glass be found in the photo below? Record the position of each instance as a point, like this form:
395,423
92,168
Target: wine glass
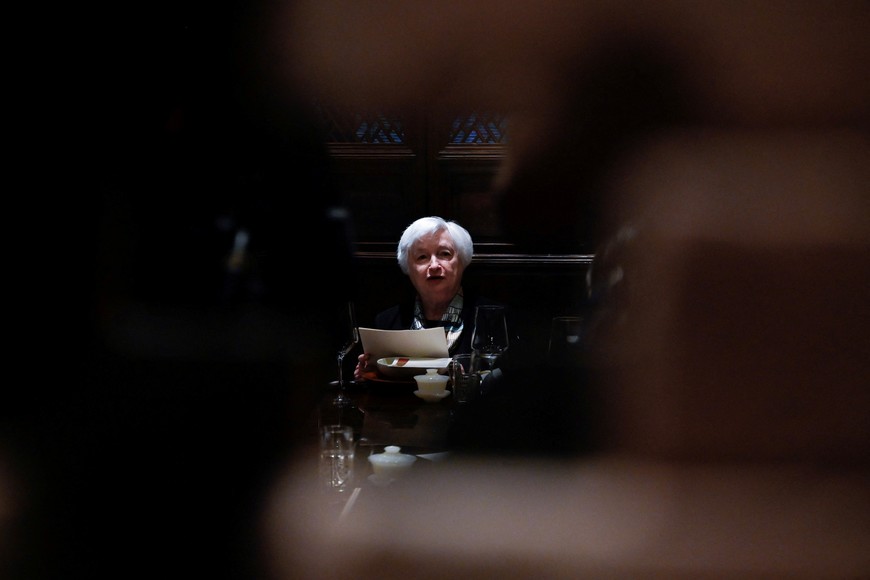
350,337
490,337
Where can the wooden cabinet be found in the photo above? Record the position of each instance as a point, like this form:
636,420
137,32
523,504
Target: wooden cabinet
392,169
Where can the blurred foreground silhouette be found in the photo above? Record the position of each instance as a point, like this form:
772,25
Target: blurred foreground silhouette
173,335
719,154
185,255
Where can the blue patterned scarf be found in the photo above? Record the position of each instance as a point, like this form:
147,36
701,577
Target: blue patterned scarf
451,321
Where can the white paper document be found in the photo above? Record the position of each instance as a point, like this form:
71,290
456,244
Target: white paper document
423,343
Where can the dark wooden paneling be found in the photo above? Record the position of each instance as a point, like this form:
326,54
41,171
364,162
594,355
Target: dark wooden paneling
381,187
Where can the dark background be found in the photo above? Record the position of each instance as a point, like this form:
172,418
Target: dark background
157,389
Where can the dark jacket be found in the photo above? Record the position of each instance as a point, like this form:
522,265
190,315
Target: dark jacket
399,317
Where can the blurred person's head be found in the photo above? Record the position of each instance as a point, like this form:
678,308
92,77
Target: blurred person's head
178,364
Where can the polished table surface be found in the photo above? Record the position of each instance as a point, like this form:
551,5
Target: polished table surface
393,415
531,413
385,414
519,418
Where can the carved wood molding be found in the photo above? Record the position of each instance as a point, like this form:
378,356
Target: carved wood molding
486,254
369,151
472,153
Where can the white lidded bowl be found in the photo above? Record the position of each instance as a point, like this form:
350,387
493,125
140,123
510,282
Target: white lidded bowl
431,382
392,463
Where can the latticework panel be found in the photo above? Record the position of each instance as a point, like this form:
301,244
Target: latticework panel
487,128
362,127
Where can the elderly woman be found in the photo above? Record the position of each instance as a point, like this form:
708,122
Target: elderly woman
434,253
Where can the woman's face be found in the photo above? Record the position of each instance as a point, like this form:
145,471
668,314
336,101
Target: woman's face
434,268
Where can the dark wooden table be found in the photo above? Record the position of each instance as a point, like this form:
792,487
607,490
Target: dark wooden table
390,414
533,414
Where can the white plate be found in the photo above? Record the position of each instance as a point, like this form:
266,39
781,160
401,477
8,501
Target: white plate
400,367
432,397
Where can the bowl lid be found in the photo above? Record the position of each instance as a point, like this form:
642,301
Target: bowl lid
392,456
431,376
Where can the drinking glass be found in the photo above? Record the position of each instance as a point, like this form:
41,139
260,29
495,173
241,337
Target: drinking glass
465,379
337,450
490,337
350,337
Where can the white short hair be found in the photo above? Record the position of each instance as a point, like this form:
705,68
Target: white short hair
432,225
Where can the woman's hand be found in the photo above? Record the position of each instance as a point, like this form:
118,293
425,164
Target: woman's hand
364,365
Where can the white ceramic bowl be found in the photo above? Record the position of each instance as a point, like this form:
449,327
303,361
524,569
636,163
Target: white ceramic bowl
431,382
431,397
405,368
392,463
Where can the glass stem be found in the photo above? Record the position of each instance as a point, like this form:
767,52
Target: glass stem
340,374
